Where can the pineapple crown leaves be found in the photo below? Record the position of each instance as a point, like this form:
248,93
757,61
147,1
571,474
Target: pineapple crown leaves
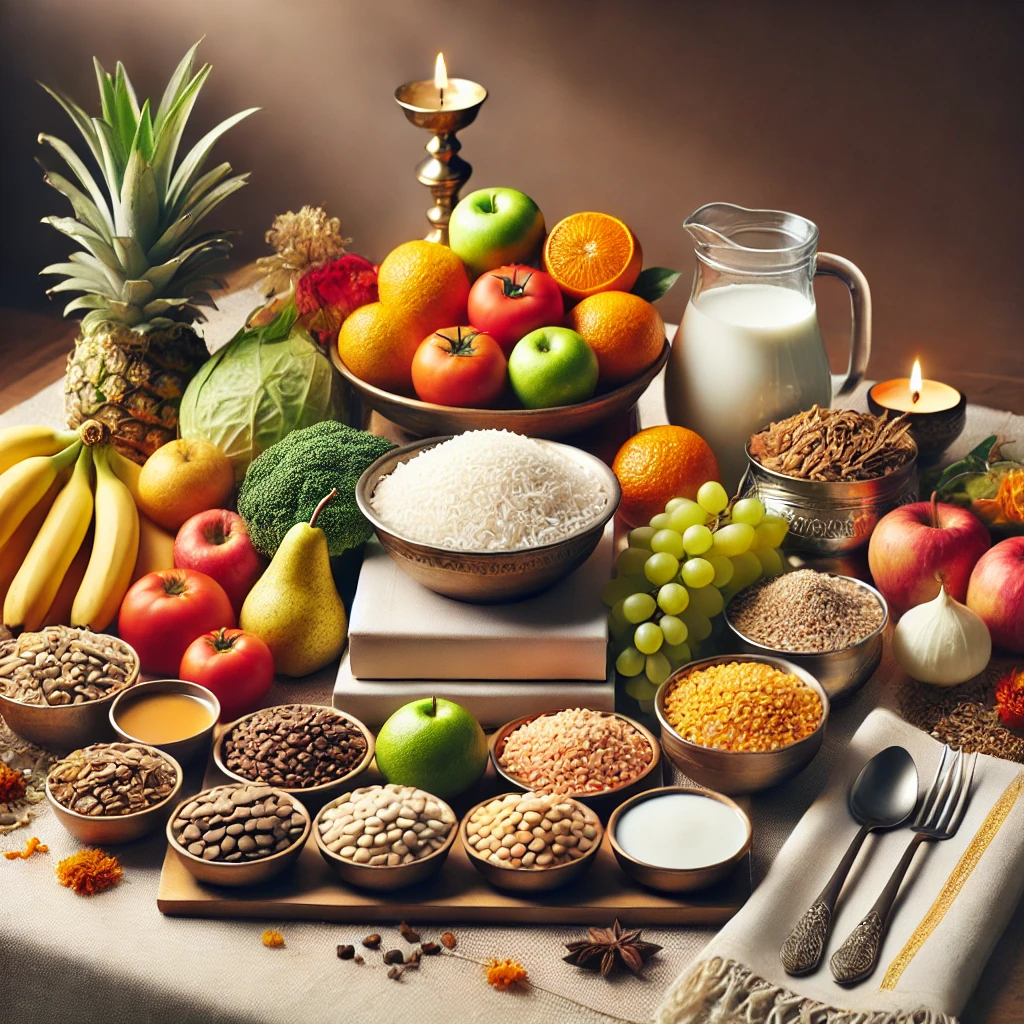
143,262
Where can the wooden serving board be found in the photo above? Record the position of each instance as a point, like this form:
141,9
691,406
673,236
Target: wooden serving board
311,891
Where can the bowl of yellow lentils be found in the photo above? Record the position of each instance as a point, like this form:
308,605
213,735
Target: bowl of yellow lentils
740,724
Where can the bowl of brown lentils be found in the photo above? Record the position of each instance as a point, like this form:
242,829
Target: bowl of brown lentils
308,750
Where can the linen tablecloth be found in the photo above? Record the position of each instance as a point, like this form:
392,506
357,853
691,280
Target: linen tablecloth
114,957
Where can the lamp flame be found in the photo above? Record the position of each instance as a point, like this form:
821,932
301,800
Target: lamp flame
440,73
915,382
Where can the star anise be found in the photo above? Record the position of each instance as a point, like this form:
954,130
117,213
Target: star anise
606,948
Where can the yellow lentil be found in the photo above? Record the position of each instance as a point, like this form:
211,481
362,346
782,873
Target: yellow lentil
742,706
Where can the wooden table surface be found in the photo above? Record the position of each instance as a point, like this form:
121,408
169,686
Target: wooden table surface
33,354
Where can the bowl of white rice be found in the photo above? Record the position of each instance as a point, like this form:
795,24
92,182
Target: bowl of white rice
488,515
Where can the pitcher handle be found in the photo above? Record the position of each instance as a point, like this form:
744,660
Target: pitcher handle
830,265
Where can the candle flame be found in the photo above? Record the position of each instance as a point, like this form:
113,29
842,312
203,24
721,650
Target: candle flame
915,382
440,73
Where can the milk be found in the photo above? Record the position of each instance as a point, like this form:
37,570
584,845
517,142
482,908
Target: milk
745,354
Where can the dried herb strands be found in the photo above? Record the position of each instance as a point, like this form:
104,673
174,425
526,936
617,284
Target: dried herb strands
834,445
806,611
295,746
61,665
112,779
234,823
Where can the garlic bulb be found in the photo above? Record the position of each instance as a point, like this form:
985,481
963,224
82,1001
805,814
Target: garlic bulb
942,642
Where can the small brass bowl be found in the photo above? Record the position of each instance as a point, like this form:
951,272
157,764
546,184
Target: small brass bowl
729,771
186,750
529,880
381,878
426,419
603,802
65,727
242,872
674,880
486,577
314,797
840,673
102,830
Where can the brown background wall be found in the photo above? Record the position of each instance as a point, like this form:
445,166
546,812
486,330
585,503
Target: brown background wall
896,127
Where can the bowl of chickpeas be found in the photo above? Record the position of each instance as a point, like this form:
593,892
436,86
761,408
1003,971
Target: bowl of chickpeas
741,724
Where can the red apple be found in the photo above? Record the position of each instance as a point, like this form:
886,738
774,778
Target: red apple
996,593
216,542
915,546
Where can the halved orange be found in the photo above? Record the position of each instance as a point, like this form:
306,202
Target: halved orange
588,253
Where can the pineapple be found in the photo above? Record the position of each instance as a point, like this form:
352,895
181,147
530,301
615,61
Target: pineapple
144,267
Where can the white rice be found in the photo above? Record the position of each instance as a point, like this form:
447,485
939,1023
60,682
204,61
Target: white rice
490,490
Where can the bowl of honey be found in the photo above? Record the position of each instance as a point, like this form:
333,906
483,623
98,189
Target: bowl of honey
173,715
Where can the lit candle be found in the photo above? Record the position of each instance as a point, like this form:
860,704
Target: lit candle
440,78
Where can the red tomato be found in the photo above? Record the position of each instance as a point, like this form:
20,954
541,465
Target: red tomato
459,366
165,611
237,666
511,301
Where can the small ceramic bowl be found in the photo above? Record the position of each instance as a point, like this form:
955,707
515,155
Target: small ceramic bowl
675,880
529,880
603,802
313,797
728,771
186,750
108,830
243,872
381,878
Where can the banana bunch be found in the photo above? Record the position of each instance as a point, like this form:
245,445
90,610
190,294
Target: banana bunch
71,538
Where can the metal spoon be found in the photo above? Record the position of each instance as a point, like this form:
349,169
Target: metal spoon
882,796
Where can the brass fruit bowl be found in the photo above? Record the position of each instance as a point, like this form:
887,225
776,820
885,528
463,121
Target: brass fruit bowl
673,880
729,771
603,802
486,577
426,419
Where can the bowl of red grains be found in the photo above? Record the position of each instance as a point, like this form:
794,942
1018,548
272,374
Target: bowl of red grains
597,757
829,625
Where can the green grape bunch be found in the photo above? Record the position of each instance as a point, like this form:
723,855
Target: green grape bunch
678,574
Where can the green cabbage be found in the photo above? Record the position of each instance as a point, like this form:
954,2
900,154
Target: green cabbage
266,382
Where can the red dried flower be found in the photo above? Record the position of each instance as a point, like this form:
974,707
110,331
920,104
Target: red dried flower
325,295
1010,698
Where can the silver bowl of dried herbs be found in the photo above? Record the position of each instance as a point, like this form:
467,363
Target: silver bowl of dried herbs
832,474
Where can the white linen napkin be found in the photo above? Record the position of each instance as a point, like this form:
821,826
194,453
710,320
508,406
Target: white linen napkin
954,904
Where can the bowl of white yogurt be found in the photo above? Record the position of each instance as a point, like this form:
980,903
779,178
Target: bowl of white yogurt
679,839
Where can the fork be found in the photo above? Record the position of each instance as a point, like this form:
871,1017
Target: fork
941,813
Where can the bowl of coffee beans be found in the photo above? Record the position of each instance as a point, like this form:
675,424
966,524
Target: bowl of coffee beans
308,750
241,834
113,792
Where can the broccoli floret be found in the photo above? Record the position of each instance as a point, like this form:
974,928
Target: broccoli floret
284,485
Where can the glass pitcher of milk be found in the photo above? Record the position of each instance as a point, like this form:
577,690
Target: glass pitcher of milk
749,349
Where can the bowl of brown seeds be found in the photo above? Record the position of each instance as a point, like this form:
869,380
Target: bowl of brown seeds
832,474
829,625
240,834
113,792
309,750
57,684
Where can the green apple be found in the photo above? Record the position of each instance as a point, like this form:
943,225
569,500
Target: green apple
552,366
433,744
493,227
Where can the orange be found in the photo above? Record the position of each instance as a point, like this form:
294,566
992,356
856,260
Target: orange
588,253
659,464
378,347
424,282
626,333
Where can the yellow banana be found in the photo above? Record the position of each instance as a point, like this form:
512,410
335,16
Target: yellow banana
18,443
156,548
126,471
26,482
60,611
13,553
36,584
114,549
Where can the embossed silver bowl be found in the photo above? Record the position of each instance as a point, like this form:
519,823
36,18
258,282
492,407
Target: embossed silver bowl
486,577
829,518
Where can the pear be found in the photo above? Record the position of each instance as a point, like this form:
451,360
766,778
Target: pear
294,608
